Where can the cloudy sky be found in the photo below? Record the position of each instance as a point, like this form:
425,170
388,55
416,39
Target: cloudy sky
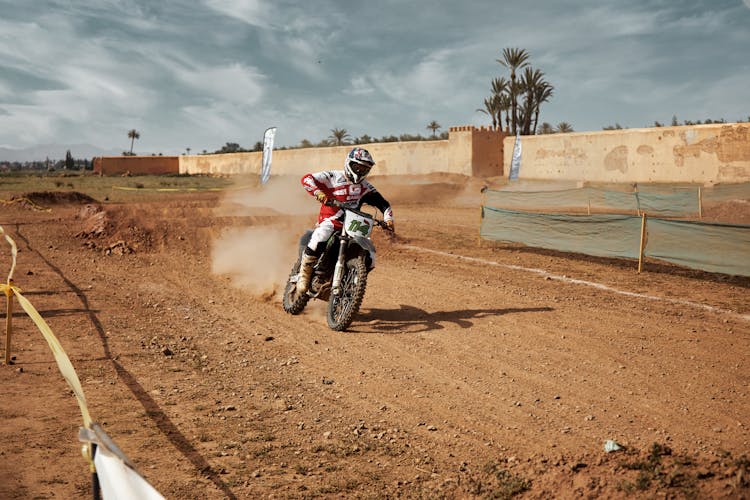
197,74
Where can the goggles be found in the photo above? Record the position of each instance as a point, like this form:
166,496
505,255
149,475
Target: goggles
359,168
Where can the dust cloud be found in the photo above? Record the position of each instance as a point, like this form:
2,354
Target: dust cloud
433,189
258,259
258,253
282,194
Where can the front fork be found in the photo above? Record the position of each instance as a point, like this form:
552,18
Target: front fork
338,271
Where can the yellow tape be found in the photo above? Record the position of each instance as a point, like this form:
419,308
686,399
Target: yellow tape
13,253
63,362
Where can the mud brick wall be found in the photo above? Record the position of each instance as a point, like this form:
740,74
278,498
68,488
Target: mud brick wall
137,165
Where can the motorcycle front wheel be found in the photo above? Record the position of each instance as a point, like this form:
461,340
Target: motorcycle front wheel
342,307
293,302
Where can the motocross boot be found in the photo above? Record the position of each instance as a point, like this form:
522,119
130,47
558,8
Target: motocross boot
305,273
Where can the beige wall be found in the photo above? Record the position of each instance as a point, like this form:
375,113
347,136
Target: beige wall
468,151
222,164
702,153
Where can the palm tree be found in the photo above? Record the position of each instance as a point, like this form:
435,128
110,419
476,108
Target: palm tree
500,88
530,80
499,85
133,134
492,108
537,90
564,128
339,136
542,93
504,106
525,110
434,126
546,128
514,59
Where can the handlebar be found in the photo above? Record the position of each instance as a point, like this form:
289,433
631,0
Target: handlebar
332,202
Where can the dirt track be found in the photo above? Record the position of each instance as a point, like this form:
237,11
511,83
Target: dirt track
469,372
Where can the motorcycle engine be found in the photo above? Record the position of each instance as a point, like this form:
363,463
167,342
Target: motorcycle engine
320,287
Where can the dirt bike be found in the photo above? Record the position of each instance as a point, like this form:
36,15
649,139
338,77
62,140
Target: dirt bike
340,273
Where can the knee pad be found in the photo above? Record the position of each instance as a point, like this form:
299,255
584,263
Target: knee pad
314,253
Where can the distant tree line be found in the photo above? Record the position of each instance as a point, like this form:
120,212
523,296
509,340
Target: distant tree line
560,128
69,163
340,137
676,123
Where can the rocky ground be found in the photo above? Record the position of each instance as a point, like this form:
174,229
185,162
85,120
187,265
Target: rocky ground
466,374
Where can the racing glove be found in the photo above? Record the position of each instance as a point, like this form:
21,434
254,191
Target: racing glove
389,226
321,196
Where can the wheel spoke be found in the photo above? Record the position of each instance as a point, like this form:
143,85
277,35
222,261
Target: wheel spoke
343,306
343,302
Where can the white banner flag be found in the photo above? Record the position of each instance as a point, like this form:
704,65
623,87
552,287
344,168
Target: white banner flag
515,163
120,482
268,138
117,477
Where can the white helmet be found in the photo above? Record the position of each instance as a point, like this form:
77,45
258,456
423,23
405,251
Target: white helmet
357,165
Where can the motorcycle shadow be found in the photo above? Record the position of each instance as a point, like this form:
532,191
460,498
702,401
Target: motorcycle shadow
410,319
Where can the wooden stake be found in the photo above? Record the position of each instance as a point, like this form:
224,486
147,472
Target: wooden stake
8,322
481,212
643,242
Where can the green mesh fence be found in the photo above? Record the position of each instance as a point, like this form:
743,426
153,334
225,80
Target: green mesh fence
684,202
604,235
676,204
719,248
564,200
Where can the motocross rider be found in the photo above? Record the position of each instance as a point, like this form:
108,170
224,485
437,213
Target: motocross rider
347,186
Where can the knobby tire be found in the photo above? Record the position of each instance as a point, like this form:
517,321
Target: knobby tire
343,307
292,302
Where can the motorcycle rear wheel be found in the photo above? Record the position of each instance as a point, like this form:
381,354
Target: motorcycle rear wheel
343,307
293,302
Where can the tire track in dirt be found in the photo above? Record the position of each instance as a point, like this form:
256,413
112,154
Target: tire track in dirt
599,286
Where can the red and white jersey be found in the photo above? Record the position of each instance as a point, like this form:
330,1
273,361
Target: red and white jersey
335,185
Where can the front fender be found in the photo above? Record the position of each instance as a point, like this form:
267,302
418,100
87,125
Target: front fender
367,245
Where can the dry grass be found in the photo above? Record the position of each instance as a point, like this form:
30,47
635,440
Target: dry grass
112,189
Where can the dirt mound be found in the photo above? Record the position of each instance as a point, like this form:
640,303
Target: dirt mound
112,233
56,197
151,227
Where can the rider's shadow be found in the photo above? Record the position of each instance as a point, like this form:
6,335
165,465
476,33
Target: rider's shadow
410,319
